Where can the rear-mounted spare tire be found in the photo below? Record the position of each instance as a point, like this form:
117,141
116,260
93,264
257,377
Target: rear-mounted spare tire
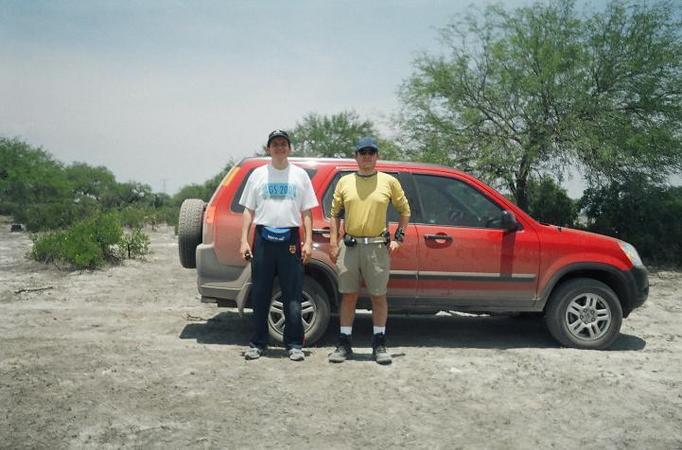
190,223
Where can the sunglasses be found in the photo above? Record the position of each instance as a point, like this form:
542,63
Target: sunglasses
367,151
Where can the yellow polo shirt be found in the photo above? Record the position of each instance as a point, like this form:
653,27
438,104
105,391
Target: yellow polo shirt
365,202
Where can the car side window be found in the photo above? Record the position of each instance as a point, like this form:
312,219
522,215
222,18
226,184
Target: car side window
393,215
329,194
236,207
452,202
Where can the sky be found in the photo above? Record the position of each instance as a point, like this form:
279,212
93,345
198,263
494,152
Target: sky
168,92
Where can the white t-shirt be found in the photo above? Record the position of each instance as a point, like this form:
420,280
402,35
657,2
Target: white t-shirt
278,196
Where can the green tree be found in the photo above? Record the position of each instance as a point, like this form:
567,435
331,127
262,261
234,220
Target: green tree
131,193
549,203
88,181
540,89
334,136
190,191
31,180
640,212
203,191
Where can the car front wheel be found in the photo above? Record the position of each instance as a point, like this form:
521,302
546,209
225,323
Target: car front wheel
584,313
315,312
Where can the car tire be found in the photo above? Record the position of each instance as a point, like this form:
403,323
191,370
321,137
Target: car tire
584,313
315,312
190,224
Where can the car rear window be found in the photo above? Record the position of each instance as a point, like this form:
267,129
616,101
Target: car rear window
237,208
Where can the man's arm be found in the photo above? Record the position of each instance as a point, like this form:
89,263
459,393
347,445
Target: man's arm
395,243
335,221
307,247
334,225
404,220
247,218
400,203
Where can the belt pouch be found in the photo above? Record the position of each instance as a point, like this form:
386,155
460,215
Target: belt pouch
274,234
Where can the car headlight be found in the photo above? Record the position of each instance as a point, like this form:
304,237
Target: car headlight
631,252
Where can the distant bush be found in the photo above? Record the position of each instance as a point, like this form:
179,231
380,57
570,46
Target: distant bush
91,243
549,203
44,194
134,244
29,176
203,191
133,217
644,214
168,215
57,214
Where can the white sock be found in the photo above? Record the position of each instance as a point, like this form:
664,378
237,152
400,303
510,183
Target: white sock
378,330
347,330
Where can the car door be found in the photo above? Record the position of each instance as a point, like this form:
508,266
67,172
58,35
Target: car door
466,258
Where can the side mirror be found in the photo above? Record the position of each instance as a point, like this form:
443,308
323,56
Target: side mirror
509,222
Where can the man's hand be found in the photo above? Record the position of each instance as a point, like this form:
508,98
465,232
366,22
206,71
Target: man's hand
393,246
333,252
306,252
244,249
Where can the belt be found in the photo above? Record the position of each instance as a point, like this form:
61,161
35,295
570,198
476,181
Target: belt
369,240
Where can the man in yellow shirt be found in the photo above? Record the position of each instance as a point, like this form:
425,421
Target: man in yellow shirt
363,253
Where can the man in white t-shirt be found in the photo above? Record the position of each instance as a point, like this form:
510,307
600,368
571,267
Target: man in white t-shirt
275,197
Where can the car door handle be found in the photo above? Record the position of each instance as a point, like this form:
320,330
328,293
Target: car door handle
438,237
324,232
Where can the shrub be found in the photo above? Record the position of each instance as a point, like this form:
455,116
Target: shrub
55,215
91,243
134,244
48,247
644,214
68,246
168,215
106,231
133,217
549,203
82,252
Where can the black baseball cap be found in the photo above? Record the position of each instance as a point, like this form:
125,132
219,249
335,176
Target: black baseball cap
278,133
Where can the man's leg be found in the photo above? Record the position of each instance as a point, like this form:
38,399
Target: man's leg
348,269
347,310
344,347
379,310
262,276
376,271
290,272
379,316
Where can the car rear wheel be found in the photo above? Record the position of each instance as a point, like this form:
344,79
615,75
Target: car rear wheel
584,313
315,312
190,223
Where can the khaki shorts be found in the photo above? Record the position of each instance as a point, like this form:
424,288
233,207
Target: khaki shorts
368,262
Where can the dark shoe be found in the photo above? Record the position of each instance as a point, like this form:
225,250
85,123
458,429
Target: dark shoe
379,352
343,350
254,353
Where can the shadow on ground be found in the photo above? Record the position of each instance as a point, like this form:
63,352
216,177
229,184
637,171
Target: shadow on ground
488,332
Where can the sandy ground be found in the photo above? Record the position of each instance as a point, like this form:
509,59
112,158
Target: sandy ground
129,357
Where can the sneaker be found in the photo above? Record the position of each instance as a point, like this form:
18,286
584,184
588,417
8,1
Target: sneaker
379,352
296,354
343,350
254,353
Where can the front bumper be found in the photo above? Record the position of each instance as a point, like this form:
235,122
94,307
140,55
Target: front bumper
637,287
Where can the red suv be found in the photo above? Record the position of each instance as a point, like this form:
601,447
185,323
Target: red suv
467,248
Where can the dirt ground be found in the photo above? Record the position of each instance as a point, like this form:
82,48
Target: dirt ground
129,357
